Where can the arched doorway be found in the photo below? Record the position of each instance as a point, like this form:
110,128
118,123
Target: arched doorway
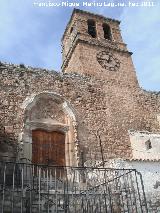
49,121
48,148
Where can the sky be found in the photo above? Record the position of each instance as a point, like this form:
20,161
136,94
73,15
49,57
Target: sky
31,35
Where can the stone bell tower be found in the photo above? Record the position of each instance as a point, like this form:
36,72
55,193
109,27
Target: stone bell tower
93,45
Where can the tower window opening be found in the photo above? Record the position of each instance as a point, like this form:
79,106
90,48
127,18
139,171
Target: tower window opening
71,30
92,28
148,145
107,31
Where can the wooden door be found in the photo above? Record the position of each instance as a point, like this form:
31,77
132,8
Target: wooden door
48,148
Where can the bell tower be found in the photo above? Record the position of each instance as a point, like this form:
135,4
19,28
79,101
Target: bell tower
92,45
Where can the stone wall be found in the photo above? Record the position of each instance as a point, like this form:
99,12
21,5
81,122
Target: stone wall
108,107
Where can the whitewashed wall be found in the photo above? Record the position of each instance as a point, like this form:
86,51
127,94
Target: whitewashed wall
150,171
139,145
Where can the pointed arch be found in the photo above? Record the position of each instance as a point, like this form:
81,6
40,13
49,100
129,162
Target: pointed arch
50,112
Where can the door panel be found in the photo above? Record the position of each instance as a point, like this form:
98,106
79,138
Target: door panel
48,148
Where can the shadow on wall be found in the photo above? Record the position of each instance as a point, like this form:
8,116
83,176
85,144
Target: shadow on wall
8,144
8,153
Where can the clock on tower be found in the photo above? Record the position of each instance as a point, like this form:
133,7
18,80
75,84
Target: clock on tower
92,45
108,61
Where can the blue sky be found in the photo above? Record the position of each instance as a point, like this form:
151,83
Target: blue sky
32,35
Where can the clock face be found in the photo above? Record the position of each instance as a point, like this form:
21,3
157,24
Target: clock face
108,61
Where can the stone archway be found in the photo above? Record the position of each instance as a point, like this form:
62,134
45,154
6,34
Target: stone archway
49,112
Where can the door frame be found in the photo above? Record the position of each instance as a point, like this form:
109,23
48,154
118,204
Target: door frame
69,128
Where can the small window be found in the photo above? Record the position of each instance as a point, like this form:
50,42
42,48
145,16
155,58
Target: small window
71,30
92,28
107,31
148,145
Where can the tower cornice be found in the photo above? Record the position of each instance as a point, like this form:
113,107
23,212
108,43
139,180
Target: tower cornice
84,39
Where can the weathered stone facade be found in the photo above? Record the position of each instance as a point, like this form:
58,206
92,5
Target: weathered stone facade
86,102
110,108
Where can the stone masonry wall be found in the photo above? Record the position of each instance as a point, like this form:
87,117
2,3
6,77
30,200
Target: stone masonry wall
110,108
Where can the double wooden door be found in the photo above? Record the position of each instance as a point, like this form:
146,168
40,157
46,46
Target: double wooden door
48,148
